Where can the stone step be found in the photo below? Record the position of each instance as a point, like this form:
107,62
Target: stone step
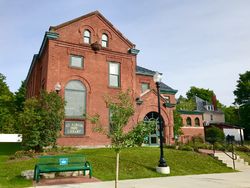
240,164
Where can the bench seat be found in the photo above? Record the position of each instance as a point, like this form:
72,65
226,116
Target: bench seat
62,163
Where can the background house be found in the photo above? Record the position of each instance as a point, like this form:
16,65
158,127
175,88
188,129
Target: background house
85,59
192,125
195,120
205,115
211,114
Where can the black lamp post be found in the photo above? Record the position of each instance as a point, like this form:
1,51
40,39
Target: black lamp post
157,80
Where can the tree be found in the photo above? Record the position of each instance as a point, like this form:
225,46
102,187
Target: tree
20,97
202,93
185,104
242,91
177,124
244,116
7,108
121,109
40,121
242,94
214,134
231,114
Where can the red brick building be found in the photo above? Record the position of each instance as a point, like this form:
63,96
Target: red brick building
85,59
192,125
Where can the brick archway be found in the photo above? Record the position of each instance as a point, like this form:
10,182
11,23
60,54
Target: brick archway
154,137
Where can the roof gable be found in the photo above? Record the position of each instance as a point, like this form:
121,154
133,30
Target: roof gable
101,17
163,87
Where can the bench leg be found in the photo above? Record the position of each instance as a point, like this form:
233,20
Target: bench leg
36,174
90,173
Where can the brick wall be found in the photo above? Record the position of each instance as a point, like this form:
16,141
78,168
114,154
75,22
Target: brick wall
53,67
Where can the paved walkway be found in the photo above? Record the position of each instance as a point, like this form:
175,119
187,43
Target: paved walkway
222,180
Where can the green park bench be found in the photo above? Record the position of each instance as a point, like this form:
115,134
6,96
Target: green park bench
61,163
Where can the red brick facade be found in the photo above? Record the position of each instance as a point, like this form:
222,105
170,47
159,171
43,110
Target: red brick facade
51,66
192,125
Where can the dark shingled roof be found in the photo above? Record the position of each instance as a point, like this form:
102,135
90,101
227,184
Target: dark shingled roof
142,70
163,87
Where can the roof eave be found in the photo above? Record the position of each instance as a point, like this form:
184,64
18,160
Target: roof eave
168,91
47,36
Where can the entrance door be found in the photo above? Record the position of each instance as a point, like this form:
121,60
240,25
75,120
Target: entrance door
154,137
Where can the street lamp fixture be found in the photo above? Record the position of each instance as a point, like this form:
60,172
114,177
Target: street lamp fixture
162,168
58,87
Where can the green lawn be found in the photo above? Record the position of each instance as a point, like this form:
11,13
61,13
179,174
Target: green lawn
141,163
134,163
244,155
10,171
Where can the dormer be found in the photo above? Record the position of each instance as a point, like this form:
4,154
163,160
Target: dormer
209,107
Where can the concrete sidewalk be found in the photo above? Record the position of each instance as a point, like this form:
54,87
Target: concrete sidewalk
222,180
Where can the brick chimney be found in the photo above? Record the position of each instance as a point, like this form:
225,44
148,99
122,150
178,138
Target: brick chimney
214,102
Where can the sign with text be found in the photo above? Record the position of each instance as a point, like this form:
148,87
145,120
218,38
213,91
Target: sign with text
73,127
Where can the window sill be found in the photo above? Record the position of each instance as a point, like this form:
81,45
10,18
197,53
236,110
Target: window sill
74,136
73,118
78,68
113,87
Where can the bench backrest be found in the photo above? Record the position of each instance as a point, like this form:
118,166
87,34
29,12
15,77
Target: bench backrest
61,160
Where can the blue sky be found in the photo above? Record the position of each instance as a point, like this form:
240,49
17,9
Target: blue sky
193,43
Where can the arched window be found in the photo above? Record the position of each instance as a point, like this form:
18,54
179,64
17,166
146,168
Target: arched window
75,98
86,36
104,40
197,122
188,121
153,138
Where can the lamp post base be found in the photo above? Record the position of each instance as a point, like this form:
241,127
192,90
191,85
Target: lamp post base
163,170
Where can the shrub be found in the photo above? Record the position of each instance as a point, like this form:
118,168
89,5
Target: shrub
40,122
197,139
214,134
185,148
219,146
242,148
23,154
170,146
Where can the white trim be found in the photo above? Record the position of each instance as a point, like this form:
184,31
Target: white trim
10,138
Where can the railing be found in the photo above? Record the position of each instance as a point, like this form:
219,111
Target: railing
233,156
230,142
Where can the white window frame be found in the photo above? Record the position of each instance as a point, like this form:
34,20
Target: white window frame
74,66
85,36
144,83
118,76
105,41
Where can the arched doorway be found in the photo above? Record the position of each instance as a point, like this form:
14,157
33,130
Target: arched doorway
154,137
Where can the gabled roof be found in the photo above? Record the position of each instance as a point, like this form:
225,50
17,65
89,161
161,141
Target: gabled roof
146,93
163,87
201,106
144,71
166,89
97,13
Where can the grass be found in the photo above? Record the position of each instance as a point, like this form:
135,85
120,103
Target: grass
10,173
134,163
244,155
141,162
